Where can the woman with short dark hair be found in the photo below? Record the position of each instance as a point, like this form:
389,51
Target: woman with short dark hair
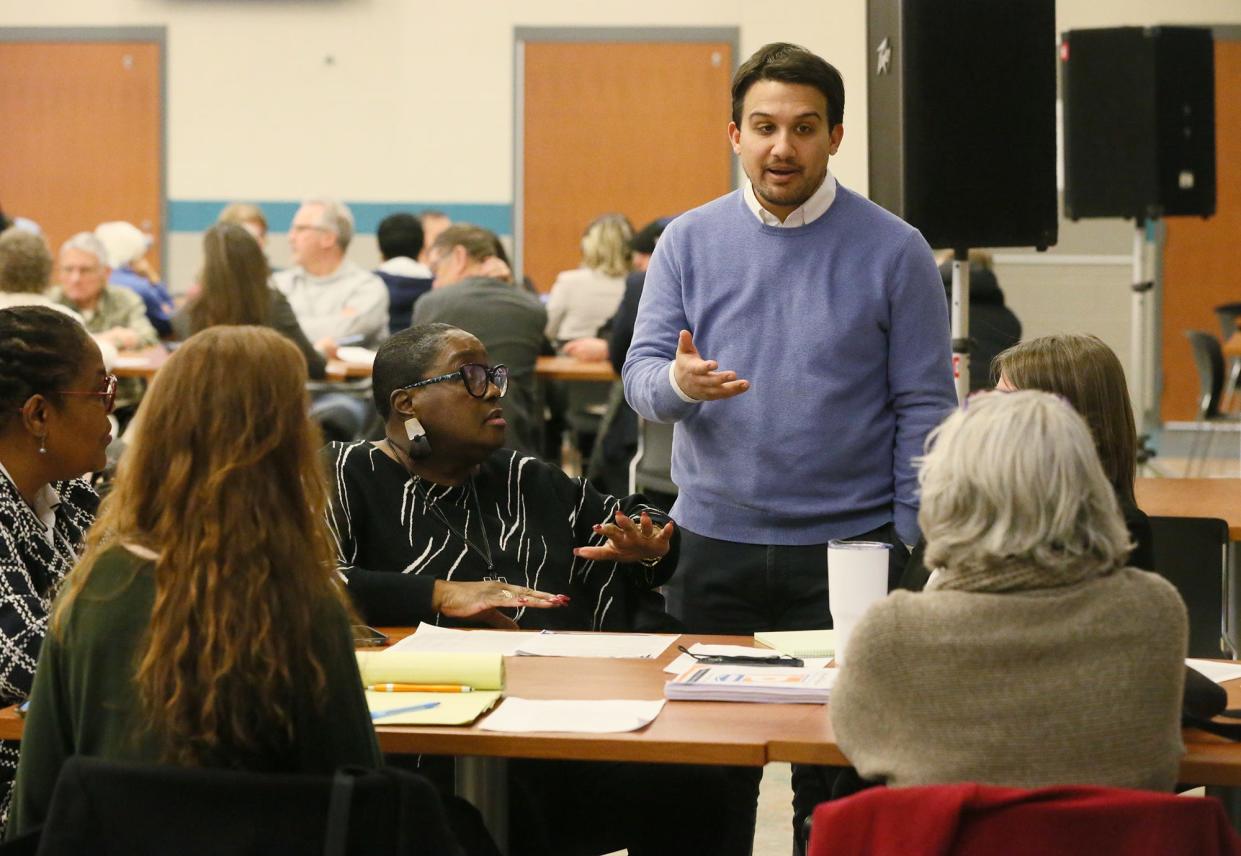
438,523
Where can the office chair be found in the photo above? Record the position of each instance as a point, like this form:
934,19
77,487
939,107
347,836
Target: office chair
651,468
106,807
1227,314
1209,362
968,819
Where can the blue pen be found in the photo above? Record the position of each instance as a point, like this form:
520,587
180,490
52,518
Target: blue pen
380,714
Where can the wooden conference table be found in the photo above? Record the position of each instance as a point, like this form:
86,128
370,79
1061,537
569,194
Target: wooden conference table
699,732
1192,498
145,363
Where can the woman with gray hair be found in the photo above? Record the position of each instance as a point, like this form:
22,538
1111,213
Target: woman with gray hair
1035,656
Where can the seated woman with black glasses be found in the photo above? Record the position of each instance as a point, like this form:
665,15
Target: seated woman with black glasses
55,397
438,523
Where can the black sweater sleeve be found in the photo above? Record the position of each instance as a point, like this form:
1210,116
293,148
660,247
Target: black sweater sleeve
382,597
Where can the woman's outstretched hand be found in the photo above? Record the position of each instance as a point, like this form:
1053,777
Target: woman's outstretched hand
484,600
630,540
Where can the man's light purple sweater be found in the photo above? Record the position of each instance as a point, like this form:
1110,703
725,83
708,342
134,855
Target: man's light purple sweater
840,326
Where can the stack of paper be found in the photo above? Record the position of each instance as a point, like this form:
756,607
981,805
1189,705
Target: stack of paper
1215,670
752,683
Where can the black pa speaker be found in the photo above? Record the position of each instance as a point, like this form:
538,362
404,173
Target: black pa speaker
1139,122
963,118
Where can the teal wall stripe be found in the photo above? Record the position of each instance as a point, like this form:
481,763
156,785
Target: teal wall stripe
197,215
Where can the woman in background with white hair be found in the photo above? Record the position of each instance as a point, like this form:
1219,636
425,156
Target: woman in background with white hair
1034,656
127,246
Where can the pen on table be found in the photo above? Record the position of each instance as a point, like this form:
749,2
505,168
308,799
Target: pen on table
419,688
380,714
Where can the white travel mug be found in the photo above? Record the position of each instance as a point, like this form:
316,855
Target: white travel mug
857,576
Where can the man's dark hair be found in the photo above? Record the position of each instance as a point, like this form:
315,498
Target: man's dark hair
405,358
791,64
399,235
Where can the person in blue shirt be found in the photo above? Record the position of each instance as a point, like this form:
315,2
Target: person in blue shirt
127,247
797,334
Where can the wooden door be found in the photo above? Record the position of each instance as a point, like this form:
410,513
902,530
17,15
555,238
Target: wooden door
1202,258
82,129
639,128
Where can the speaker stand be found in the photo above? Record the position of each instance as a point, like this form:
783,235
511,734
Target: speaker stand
1140,358
961,321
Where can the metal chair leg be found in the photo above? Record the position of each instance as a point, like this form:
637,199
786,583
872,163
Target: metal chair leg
1206,449
1193,445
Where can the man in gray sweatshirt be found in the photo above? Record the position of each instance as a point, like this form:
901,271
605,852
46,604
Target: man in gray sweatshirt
333,298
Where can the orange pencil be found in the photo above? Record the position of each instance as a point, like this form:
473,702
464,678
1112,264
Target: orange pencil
420,688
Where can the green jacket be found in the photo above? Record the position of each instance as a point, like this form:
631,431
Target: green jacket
84,700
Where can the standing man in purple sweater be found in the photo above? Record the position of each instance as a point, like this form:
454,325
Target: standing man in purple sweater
798,336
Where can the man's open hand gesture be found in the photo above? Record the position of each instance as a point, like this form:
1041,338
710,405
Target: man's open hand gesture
701,379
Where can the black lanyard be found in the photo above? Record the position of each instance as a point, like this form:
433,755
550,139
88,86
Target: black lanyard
485,552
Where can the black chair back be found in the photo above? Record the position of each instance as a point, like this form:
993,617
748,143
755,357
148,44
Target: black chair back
1191,553
1209,361
106,807
1227,314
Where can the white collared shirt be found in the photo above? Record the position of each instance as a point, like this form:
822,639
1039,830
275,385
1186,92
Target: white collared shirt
46,501
809,211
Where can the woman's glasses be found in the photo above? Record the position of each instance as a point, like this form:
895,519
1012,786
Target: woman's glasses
107,394
476,377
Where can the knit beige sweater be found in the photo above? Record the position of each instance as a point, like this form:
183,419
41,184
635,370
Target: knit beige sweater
1004,680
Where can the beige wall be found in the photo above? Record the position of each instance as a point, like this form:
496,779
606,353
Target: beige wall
402,101
396,100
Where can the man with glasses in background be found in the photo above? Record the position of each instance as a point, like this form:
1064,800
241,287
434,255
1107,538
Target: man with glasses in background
468,293
336,302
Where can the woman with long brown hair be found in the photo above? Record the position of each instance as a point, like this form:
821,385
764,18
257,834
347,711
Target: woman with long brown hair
204,625
233,288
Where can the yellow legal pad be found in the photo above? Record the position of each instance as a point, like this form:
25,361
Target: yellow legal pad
799,643
480,671
483,673
452,708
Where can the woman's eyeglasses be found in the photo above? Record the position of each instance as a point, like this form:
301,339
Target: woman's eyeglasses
476,377
107,394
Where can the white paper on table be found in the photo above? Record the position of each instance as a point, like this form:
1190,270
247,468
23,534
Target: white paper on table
428,637
685,661
509,643
355,354
1218,672
582,717
128,361
638,646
